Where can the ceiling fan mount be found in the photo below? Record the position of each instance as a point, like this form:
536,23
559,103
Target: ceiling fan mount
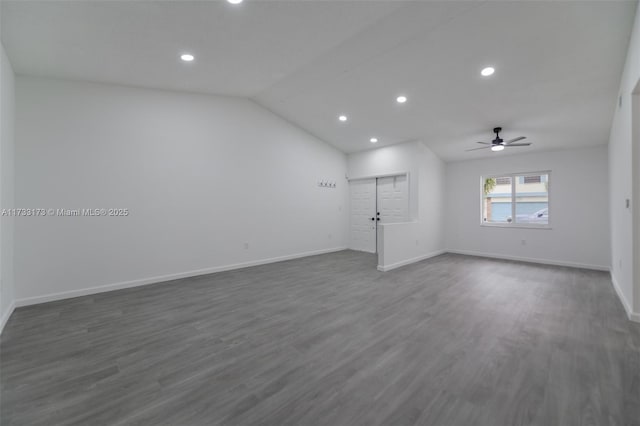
498,144
497,140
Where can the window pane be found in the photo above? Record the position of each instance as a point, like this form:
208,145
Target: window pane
496,202
532,200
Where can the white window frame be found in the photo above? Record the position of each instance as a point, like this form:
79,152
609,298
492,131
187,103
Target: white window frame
513,177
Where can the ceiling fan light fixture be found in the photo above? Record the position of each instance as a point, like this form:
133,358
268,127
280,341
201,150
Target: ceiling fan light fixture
498,144
486,72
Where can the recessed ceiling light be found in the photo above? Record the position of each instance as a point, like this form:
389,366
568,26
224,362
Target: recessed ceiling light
234,1
373,140
401,99
187,57
342,118
497,148
486,72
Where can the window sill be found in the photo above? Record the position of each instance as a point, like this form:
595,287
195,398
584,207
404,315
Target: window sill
521,226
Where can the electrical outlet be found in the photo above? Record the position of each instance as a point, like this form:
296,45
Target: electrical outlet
246,246
523,242
329,235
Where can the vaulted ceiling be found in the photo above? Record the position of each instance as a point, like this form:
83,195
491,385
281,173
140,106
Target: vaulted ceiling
558,64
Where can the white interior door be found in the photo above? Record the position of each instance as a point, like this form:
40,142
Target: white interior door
393,199
363,215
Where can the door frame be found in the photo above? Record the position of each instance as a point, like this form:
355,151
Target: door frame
635,203
349,179
384,175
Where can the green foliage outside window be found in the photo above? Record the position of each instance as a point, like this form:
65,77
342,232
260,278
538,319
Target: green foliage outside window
489,184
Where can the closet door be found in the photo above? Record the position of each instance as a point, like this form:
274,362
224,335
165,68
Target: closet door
393,199
363,215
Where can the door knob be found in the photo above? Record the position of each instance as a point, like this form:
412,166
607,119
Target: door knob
373,218
377,218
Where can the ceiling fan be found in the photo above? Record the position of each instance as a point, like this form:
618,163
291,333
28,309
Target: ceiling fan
498,144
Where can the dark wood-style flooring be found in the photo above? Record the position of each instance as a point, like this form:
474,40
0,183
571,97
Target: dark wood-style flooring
328,340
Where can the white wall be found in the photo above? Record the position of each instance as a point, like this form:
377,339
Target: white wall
6,187
201,176
426,198
577,209
620,183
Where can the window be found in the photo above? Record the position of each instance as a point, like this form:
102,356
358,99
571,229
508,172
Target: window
519,199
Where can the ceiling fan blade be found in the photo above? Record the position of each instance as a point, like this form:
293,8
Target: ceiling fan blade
485,143
475,149
518,144
515,140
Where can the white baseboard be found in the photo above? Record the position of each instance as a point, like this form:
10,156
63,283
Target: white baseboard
633,316
6,316
385,268
530,259
154,280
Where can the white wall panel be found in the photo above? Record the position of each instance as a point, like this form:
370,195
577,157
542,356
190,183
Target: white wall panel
209,182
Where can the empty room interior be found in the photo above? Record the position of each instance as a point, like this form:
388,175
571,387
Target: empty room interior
312,212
